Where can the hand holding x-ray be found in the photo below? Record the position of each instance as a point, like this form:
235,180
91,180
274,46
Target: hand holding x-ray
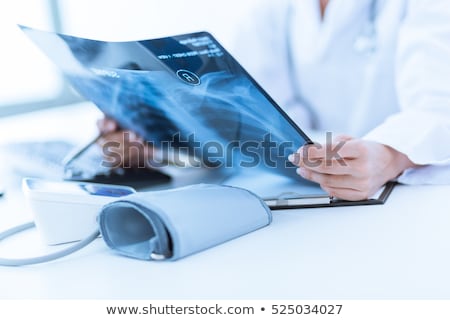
349,168
122,148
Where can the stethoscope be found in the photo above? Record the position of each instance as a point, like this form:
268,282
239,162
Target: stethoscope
365,44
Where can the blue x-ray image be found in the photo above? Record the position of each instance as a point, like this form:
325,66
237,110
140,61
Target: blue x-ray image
182,92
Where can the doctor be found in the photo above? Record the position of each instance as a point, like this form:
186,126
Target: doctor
376,70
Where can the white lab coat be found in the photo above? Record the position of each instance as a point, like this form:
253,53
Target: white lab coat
398,96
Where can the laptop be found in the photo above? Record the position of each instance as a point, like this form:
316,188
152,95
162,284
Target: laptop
194,103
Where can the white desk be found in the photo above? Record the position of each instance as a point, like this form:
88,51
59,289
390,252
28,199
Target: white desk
399,250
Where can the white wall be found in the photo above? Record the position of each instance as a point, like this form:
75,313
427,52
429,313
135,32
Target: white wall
26,73
142,19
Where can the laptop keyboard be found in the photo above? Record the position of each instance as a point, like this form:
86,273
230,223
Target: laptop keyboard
43,159
37,159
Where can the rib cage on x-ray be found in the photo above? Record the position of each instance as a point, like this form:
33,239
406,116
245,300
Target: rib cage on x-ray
135,83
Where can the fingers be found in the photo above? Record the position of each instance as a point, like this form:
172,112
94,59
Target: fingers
325,166
343,137
345,187
332,180
348,194
120,137
342,168
337,150
107,125
125,149
330,157
326,159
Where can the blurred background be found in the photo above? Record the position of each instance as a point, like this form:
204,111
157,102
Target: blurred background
28,79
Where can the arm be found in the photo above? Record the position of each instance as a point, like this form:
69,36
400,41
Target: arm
423,86
350,169
418,134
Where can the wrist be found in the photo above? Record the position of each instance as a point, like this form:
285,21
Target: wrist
399,162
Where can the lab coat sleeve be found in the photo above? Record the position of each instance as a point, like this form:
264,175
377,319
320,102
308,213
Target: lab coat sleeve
421,130
260,46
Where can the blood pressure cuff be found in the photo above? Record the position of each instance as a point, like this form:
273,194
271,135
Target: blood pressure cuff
171,224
